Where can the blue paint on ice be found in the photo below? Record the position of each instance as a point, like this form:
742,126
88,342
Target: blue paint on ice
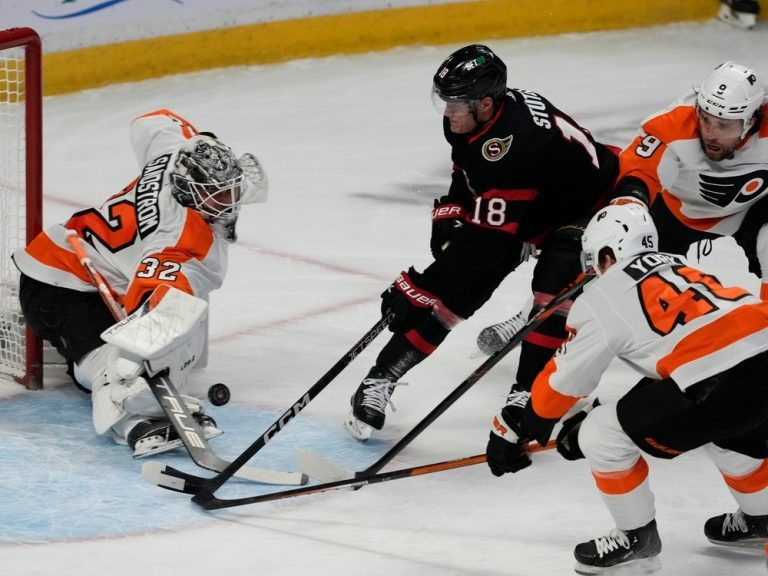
61,481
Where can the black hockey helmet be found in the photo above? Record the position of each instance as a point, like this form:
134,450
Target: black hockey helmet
471,73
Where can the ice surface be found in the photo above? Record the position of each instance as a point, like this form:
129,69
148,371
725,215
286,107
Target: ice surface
355,154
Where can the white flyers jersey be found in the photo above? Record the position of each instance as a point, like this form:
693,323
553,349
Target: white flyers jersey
703,194
658,315
141,237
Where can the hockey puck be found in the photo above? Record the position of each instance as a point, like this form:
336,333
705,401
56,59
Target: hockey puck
219,394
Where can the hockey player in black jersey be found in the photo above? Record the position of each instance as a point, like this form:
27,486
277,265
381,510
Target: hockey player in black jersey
524,174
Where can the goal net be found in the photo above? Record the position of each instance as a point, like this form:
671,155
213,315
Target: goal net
20,193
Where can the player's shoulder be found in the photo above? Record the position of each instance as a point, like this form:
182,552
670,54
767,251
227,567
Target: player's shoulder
529,108
677,122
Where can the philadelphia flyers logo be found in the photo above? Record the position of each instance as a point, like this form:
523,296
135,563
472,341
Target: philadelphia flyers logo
495,148
724,190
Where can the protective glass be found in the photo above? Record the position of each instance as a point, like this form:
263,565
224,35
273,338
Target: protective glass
452,107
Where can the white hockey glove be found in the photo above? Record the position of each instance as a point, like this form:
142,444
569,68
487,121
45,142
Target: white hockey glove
257,188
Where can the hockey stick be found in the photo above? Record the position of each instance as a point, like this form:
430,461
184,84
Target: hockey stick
206,499
481,371
170,401
189,484
205,487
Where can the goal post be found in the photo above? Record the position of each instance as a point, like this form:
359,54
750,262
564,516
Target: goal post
21,151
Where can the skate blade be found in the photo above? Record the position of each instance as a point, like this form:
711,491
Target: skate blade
149,448
358,430
738,19
756,543
632,568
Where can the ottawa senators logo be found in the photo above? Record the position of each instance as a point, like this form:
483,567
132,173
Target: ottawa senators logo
723,190
495,148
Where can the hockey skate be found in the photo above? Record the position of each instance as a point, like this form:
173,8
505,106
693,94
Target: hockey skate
739,13
493,338
639,548
155,436
737,529
368,405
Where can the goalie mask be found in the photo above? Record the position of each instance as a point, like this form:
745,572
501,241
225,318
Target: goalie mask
209,179
626,229
732,92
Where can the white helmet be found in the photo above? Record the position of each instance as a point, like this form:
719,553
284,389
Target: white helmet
626,229
733,92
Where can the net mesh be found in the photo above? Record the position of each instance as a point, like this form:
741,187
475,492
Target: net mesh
12,207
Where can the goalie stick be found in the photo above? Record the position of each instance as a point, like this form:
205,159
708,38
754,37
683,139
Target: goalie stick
203,488
206,498
170,401
182,482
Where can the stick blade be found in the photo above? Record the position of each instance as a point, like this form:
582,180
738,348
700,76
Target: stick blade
315,466
265,476
167,477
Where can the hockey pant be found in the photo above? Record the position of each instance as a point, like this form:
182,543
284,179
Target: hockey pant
621,473
725,412
463,277
558,264
72,321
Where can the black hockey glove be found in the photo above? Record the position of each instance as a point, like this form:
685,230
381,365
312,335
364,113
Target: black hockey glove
568,437
407,301
507,449
631,190
447,220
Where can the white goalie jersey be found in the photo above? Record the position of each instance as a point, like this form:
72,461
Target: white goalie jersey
660,316
141,237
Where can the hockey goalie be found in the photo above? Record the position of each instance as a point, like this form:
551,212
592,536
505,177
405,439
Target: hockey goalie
162,245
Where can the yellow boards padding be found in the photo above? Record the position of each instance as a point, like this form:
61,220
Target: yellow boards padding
352,33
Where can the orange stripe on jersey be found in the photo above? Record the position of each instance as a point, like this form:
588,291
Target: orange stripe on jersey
732,327
623,481
194,243
674,204
764,291
545,400
679,123
187,129
749,483
47,252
